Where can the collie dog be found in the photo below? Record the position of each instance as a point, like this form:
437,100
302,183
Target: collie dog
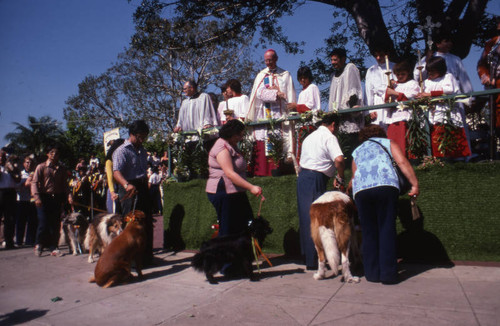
332,229
234,251
114,265
74,227
103,229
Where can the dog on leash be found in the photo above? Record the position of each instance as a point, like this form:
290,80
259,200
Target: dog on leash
234,251
114,265
332,230
74,227
102,229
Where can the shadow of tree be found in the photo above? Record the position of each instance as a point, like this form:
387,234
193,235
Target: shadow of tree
21,316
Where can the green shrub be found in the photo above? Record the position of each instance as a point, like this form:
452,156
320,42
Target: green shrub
459,203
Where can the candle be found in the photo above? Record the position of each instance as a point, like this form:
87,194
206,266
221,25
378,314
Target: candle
387,62
419,56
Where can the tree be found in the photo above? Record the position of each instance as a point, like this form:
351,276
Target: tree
146,82
390,24
76,142
36,137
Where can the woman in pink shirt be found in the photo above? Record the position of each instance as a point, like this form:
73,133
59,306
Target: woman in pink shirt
226,186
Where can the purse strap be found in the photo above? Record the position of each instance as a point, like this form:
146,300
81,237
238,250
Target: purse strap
385,150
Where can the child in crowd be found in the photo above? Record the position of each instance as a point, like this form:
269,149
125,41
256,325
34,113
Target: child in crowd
402,90
309,98
438,83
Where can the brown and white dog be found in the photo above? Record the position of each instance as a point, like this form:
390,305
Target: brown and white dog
102,229
74,227
114,265
332,229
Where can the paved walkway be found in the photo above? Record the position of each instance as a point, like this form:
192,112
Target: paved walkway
55,291
172,293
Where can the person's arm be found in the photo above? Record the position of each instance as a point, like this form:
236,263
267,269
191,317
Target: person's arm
35,190
406,168
225,162
129,188
111,182
339,181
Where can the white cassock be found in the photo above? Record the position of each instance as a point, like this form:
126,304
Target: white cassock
410,89
454,66
310,97
375,85
238,104
341,89
264,103
196,112
448,85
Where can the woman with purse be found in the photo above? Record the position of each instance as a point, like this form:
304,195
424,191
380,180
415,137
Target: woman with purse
376,190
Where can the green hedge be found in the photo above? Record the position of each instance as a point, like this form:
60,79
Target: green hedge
460,204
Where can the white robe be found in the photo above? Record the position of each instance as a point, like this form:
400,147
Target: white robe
196,112
454,66
375,86
449,85
261,96
239,104
341,89
310,97
410,89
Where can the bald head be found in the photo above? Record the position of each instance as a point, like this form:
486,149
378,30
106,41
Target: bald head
270,58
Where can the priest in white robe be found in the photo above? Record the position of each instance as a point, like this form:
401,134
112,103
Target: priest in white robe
272,89
196,111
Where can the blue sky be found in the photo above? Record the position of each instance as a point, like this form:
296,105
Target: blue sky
48,47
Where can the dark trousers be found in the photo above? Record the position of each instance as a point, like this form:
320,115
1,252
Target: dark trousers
26,221
8,214
142,202
49,221
233,210
310,186
377,209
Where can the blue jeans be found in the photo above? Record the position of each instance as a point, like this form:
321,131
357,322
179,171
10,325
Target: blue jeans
310,186
377,209
233,210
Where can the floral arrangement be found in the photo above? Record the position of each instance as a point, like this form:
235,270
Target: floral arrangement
429,162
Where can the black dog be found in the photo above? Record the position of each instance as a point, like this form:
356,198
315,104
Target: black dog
233,250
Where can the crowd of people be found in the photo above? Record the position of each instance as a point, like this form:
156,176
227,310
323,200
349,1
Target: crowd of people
130,178
35,197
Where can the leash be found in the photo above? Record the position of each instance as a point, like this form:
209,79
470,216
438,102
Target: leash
257,250
88,207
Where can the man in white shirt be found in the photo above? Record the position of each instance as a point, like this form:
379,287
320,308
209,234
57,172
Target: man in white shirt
321,157
376,84
272,90
197,111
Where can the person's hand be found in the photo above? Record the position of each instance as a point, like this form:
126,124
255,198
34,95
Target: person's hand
130,191
373,115
414,191
485,80
70,200
38,203
281,95
256,191
291,106
114,196
421,95
177,129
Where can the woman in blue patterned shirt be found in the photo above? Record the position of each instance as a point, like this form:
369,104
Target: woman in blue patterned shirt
376,191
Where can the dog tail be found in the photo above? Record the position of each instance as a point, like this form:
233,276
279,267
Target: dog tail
86,242
198,262
329,242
